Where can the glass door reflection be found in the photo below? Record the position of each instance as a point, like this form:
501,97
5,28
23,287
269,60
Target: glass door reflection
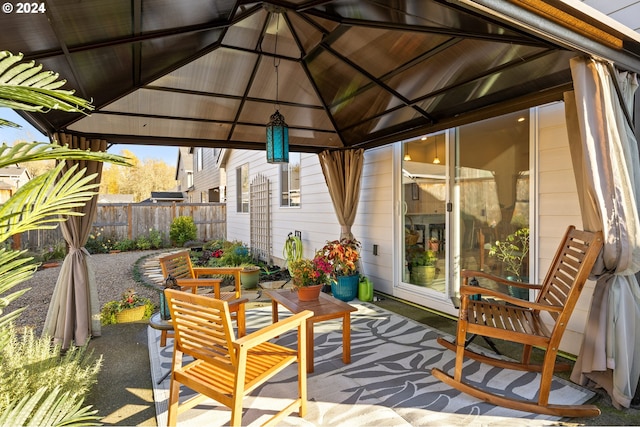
424,198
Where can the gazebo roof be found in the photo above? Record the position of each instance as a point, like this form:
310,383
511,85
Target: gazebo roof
352,73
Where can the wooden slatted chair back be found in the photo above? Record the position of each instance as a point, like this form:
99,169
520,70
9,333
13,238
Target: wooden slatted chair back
178,265
204,332
569,272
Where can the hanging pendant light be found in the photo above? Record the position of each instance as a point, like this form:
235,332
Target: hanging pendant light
436,160
407,156
277,129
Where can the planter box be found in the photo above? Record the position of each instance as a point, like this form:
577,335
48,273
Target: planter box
131,314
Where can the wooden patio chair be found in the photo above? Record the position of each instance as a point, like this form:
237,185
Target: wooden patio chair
225,368
178,265
540,323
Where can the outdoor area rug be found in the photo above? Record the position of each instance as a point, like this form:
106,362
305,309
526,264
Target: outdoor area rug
387,383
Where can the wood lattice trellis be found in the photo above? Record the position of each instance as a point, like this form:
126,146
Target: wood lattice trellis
259,219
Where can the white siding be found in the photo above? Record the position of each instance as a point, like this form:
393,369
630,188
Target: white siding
315,218
207,178
374,219
558,207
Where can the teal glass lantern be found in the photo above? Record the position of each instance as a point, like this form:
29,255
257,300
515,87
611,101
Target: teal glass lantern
277,139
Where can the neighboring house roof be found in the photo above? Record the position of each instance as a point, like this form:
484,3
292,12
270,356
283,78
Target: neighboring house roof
12,171
165,197
115,198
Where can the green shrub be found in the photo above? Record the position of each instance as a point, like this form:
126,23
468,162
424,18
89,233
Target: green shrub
125,245
55,252
182,230
156,239
98,243
143,243
28,363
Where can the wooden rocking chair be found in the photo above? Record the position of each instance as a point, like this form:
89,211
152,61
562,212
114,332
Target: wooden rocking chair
178,265
501,316
225,368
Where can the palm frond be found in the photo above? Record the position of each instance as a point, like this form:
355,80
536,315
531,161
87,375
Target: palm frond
24,152
50,408
24,86
46,201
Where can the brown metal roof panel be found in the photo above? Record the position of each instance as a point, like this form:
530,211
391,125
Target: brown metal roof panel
162,14
223,71
382,51
457,64
89,21
176,104
28,33
111,124
247,33
293,84
295,116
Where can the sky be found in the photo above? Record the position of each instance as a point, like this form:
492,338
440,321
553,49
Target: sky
8,135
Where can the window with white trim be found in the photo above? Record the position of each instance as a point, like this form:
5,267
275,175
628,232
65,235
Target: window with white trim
290,181
242,188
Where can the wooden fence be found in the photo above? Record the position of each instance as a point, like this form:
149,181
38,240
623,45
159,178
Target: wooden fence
130,220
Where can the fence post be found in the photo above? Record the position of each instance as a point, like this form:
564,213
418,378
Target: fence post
17,242
129,222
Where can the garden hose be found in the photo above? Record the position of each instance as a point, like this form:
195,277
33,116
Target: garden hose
292,249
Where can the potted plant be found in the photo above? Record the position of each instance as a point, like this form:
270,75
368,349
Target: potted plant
309,276
423,267
343,255
249,276
130,308
512,252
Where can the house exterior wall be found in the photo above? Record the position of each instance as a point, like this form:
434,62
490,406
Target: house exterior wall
375,222
208,177
315,218
558,207
183,169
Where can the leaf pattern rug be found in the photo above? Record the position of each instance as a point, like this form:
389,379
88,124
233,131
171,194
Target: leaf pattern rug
387,383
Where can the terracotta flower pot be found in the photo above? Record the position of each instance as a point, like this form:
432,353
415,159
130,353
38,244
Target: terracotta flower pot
309,293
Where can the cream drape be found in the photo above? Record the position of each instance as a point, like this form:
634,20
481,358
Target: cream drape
74,311
606,164
342,172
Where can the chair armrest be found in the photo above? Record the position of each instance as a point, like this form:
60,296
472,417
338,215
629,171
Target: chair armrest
466,291
498,279
202,271
235,303
272,331
194,284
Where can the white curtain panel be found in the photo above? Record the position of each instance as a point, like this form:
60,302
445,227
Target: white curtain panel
607,169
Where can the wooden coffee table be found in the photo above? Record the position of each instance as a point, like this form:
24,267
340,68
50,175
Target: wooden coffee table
325,308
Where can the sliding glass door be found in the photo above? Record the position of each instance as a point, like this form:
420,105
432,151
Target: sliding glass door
491,198
424,194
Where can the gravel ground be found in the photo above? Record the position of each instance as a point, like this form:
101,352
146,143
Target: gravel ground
114,275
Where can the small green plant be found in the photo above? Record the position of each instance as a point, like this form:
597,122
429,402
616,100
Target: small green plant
55,252
292,250
235,254
182,230
513,251
99,243
30,363
125,245
130,299
425,258
156,239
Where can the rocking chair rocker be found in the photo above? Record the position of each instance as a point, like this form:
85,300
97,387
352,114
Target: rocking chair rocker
501,316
